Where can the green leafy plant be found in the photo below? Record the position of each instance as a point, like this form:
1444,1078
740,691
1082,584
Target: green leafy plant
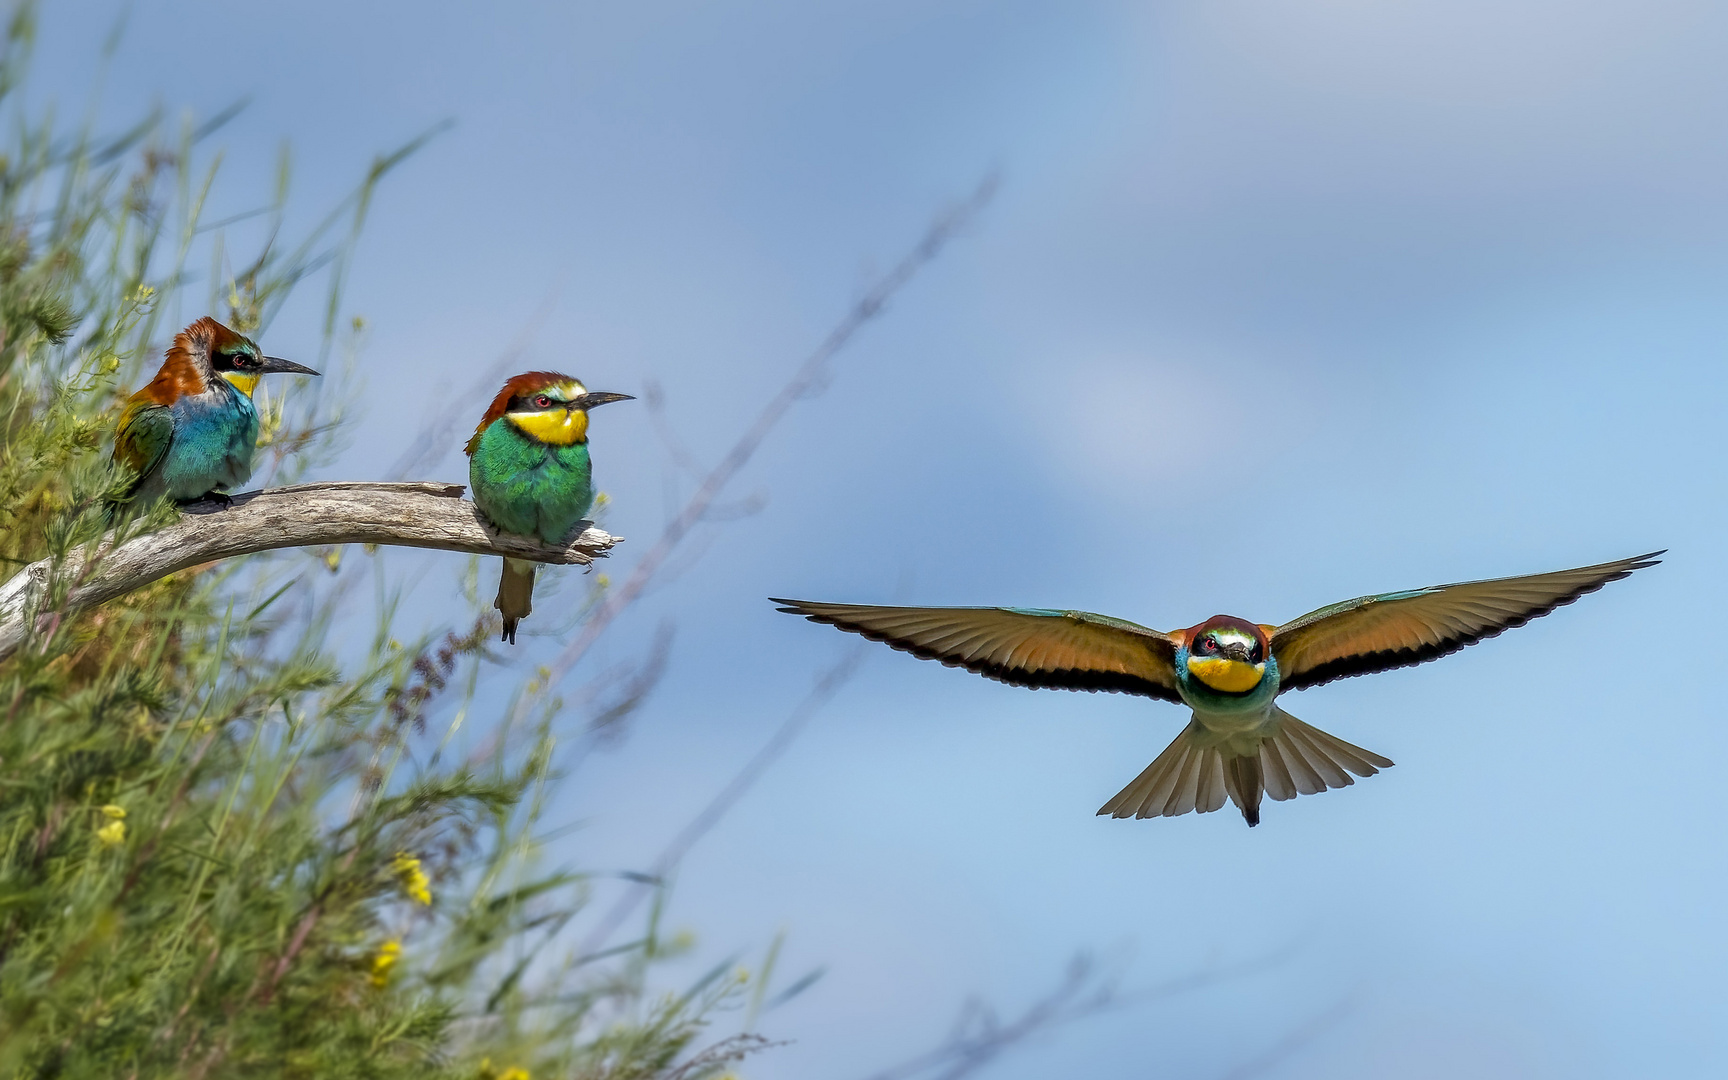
224,848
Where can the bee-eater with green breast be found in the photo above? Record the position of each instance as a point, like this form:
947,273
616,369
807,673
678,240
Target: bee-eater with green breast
1239,744
191,431
529,468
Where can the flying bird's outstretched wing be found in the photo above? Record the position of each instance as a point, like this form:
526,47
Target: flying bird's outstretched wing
1393,630
1073,650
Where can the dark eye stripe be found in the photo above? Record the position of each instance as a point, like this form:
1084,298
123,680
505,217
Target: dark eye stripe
526,403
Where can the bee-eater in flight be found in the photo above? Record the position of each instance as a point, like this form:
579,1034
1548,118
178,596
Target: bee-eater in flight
1239,745
528,465
191,431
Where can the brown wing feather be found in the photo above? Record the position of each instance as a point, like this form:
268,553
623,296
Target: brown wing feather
1072,650
1393,630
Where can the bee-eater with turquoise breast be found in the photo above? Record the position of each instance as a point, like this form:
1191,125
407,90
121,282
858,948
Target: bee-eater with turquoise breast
1239,744
528,465
191,431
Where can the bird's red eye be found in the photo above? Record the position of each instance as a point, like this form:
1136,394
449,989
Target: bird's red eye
542,402
1208,645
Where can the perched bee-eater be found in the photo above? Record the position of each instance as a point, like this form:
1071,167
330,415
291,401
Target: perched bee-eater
529,468
1239,744
191,431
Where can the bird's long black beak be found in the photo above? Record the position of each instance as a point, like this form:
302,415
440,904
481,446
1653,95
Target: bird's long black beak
269,365
592,400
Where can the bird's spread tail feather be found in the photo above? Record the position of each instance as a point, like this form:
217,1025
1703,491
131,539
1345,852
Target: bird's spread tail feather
515,595
1199,770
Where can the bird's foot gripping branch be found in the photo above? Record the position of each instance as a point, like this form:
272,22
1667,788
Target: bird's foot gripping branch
423,515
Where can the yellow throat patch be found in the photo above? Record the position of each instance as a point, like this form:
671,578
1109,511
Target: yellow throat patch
243,383
558,427
1228,676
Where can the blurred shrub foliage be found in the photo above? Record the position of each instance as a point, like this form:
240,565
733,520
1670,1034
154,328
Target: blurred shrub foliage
226,849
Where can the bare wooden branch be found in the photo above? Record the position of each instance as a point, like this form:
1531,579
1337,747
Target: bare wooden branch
307,515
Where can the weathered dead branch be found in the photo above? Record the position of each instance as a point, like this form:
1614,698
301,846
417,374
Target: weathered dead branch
419,515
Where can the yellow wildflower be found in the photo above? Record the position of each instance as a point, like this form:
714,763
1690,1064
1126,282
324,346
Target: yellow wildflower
514,1073
386,957
414,880
113,834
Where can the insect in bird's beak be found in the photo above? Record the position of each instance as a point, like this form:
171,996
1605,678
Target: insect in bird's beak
592,400
271,364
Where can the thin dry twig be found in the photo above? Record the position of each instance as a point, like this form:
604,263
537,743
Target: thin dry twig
810,377
1083,992
1292,1044
979,1037
640,887
440,432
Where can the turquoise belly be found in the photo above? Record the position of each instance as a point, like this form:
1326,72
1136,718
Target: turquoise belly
214,436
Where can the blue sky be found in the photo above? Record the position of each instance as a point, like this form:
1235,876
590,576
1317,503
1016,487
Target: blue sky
1280,303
